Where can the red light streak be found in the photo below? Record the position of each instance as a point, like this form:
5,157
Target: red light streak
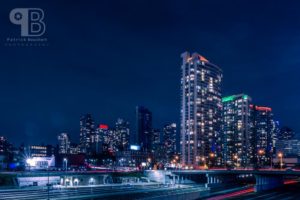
238,193
242,192
290,182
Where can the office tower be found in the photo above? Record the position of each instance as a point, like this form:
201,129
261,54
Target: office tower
289,148
87,129
156,137
74,148
156,142
237,148
122,134
95,143
275,135
262,128
103,133
38,151
51,150
158,149
286,133
109,140
201,111
6,153
169,138
63,143
144,127
5,146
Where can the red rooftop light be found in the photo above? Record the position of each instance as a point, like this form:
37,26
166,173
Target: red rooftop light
261,108
203,59
103,126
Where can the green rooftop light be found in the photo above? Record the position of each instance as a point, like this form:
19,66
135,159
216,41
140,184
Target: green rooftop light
245,97
229,98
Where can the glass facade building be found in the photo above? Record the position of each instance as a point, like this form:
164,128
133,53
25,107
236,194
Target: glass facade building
237,147
87,131
169,138
122,134
201,112
263,128
144,127
63,143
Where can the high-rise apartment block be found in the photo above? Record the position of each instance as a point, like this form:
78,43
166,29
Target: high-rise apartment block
201,111
236,133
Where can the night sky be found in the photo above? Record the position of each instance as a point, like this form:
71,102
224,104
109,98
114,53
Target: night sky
106,57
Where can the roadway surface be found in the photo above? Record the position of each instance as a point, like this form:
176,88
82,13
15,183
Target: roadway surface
288,192
97,192
294,172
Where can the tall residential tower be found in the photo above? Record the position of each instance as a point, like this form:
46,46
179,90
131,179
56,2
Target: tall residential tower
263,127
201,111
237,137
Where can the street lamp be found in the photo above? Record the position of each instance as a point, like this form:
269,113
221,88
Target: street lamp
66,165
280,155
261,152
204,163
271,159
212,156
236,158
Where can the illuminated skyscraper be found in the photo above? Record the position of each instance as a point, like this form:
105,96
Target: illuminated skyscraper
114,139
38,151
286,133
169,138
6,153
144,127
201,111
122,134
63,143
156,138
5,146
262,128
236,133
104,136
87,130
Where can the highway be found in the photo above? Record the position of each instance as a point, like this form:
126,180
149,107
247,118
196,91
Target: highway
96,192
288,192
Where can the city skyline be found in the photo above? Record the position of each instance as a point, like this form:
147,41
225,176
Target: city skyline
47,96
149,99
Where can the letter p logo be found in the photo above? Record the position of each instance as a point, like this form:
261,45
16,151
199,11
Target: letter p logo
30,20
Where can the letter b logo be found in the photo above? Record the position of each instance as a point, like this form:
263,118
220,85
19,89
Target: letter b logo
30,20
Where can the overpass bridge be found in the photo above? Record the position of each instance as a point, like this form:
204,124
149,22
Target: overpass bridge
265,179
